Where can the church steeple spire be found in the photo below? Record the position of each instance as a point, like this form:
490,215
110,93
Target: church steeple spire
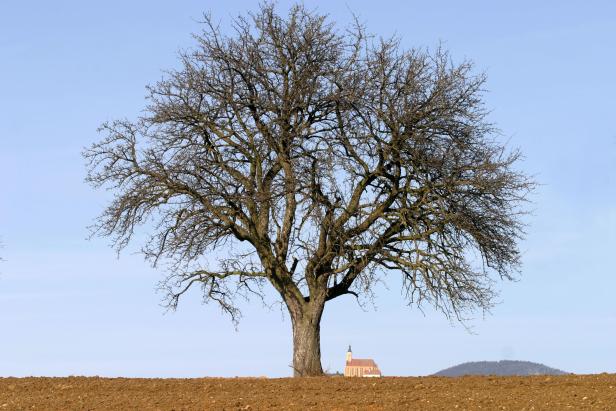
349,355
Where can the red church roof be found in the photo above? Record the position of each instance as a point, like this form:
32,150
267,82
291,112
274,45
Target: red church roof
357,362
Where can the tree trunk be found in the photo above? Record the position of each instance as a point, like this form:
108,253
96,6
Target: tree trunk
307,342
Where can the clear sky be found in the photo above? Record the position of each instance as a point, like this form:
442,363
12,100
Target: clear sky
69,306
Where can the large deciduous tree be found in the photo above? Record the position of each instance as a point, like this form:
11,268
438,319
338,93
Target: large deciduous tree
315,160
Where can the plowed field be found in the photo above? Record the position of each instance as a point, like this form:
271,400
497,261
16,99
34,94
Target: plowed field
574,392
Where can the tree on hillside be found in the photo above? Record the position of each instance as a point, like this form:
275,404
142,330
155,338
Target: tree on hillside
317,161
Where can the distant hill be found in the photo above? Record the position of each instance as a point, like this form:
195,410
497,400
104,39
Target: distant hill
505,367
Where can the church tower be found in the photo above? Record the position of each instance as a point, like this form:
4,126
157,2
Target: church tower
349,355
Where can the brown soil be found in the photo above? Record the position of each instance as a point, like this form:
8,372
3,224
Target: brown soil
335,393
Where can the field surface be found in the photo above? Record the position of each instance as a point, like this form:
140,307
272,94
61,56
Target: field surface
573,392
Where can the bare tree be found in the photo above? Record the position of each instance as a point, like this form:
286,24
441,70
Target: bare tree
316,160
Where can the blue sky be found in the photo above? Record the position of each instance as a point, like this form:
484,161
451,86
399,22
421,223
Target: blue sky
69,306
